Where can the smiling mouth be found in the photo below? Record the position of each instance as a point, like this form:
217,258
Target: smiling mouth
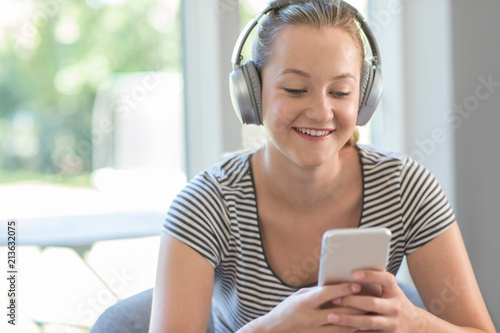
312,132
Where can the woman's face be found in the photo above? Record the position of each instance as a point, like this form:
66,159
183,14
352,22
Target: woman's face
310,93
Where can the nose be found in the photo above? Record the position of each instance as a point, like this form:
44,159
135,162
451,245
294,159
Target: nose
321,109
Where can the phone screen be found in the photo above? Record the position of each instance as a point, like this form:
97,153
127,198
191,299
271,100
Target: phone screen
346,250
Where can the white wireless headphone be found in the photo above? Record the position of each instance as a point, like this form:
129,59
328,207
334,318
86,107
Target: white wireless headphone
244,80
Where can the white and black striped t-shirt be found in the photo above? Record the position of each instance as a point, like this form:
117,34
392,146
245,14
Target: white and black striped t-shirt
216,215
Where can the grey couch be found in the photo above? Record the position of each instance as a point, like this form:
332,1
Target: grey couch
132,315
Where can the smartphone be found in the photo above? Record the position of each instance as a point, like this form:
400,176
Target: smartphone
346,250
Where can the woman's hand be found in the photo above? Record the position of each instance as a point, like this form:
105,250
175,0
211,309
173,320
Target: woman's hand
305,311
392,312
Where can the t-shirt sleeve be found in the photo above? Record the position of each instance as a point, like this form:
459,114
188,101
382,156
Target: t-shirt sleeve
197,217
426,210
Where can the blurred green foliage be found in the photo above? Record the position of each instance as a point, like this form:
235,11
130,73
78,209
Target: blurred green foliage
53,59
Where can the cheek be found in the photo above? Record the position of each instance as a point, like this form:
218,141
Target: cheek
349,116
353,114
277,114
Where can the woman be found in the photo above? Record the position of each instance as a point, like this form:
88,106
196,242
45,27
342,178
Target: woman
237,237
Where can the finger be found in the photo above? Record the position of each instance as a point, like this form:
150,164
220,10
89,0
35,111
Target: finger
383,278
324,294
366,304
325,325
365,322
303,290
335,329
320,295
321,316
348,310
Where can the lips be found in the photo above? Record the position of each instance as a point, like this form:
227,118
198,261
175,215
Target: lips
313,132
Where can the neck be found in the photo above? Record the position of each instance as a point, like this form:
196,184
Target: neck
300,187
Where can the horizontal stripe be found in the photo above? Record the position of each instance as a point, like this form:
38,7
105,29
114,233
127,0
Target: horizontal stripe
216,214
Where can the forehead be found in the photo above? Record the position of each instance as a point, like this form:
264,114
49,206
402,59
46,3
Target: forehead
315,49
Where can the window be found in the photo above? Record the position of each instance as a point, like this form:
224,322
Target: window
91,148
91,116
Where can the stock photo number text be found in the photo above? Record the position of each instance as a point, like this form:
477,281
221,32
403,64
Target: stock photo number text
11,271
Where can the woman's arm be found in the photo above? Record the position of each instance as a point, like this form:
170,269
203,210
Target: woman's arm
183,291
445,280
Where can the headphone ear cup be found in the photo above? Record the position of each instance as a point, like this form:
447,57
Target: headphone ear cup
253,81
246,93
365,79
369,92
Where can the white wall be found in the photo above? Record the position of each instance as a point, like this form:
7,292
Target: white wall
415,45
210,29
436,107
476,56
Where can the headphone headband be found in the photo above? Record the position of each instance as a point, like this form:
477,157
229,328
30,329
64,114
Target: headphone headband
240,42
236,57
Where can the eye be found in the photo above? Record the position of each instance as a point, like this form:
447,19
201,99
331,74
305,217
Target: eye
340,94
294,92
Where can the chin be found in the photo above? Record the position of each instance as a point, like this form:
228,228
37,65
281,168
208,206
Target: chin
311,160
304,156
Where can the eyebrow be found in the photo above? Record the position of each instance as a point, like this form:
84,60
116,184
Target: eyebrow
294,71
306,75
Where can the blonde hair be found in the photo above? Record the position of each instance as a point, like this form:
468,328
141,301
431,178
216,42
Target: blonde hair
320,14
354,138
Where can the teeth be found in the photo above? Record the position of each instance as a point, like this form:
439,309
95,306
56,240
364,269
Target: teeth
312,132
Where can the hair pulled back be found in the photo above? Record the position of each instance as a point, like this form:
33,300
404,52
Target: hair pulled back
320,14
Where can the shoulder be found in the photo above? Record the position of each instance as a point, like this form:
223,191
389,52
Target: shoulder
380,162
199,215
229,174
374,155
